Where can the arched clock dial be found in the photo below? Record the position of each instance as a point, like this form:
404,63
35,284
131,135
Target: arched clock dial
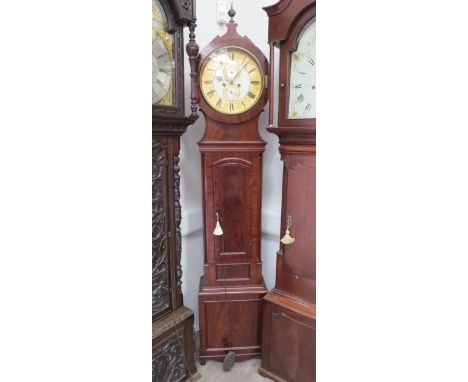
162,70
302,76
231,80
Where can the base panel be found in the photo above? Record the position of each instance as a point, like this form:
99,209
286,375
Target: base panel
289,330
230,319
173,347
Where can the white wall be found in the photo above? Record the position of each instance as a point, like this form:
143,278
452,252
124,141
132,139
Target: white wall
253,22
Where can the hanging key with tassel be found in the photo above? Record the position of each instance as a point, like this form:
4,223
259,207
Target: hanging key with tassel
287,238
218,231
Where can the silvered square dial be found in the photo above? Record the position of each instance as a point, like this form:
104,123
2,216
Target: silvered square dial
302,76
231,80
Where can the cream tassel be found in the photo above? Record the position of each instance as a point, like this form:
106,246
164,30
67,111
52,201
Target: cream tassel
218,231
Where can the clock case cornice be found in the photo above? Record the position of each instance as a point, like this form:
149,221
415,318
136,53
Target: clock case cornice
223,132
283,16
287,18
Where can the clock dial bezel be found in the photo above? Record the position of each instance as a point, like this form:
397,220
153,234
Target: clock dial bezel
288,48
232,38
226,106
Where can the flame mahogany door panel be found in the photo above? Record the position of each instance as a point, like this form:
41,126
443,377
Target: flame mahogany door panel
235,189
232,179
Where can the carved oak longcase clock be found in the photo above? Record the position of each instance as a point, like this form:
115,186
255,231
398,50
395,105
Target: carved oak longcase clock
173,346
232,94
289,309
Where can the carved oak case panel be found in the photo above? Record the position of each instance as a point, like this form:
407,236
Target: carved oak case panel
161,259
168,361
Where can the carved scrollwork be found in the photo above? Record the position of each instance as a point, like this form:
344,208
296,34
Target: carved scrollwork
160,248
168,362
179,278
178,218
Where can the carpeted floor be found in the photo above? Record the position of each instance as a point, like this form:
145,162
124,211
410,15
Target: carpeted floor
246,371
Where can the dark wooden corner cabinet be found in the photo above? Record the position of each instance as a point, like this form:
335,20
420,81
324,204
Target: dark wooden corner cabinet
172,341
232,72
289,311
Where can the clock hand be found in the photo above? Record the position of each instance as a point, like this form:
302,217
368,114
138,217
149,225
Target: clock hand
238,73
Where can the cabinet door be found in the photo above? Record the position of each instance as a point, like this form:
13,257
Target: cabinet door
296,271
232,179
232,200
292,346
160,246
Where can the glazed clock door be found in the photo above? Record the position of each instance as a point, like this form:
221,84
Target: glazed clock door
298,259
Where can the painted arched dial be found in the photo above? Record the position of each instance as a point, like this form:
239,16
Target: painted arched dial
163,61
231,80
302,76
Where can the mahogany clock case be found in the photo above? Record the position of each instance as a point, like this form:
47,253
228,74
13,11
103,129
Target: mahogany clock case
289,312
232,288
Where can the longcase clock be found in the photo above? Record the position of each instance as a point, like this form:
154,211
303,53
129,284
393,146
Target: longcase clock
173,345
289,313
232,94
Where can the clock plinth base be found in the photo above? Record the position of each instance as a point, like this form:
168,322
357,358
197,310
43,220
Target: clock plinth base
288,339
233,313
173,346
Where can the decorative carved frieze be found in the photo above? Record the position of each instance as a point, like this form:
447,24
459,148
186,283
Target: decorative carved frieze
170,321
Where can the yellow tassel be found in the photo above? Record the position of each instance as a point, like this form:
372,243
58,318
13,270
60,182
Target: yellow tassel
287,238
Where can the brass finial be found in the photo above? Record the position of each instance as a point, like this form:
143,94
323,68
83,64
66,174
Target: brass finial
232,12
